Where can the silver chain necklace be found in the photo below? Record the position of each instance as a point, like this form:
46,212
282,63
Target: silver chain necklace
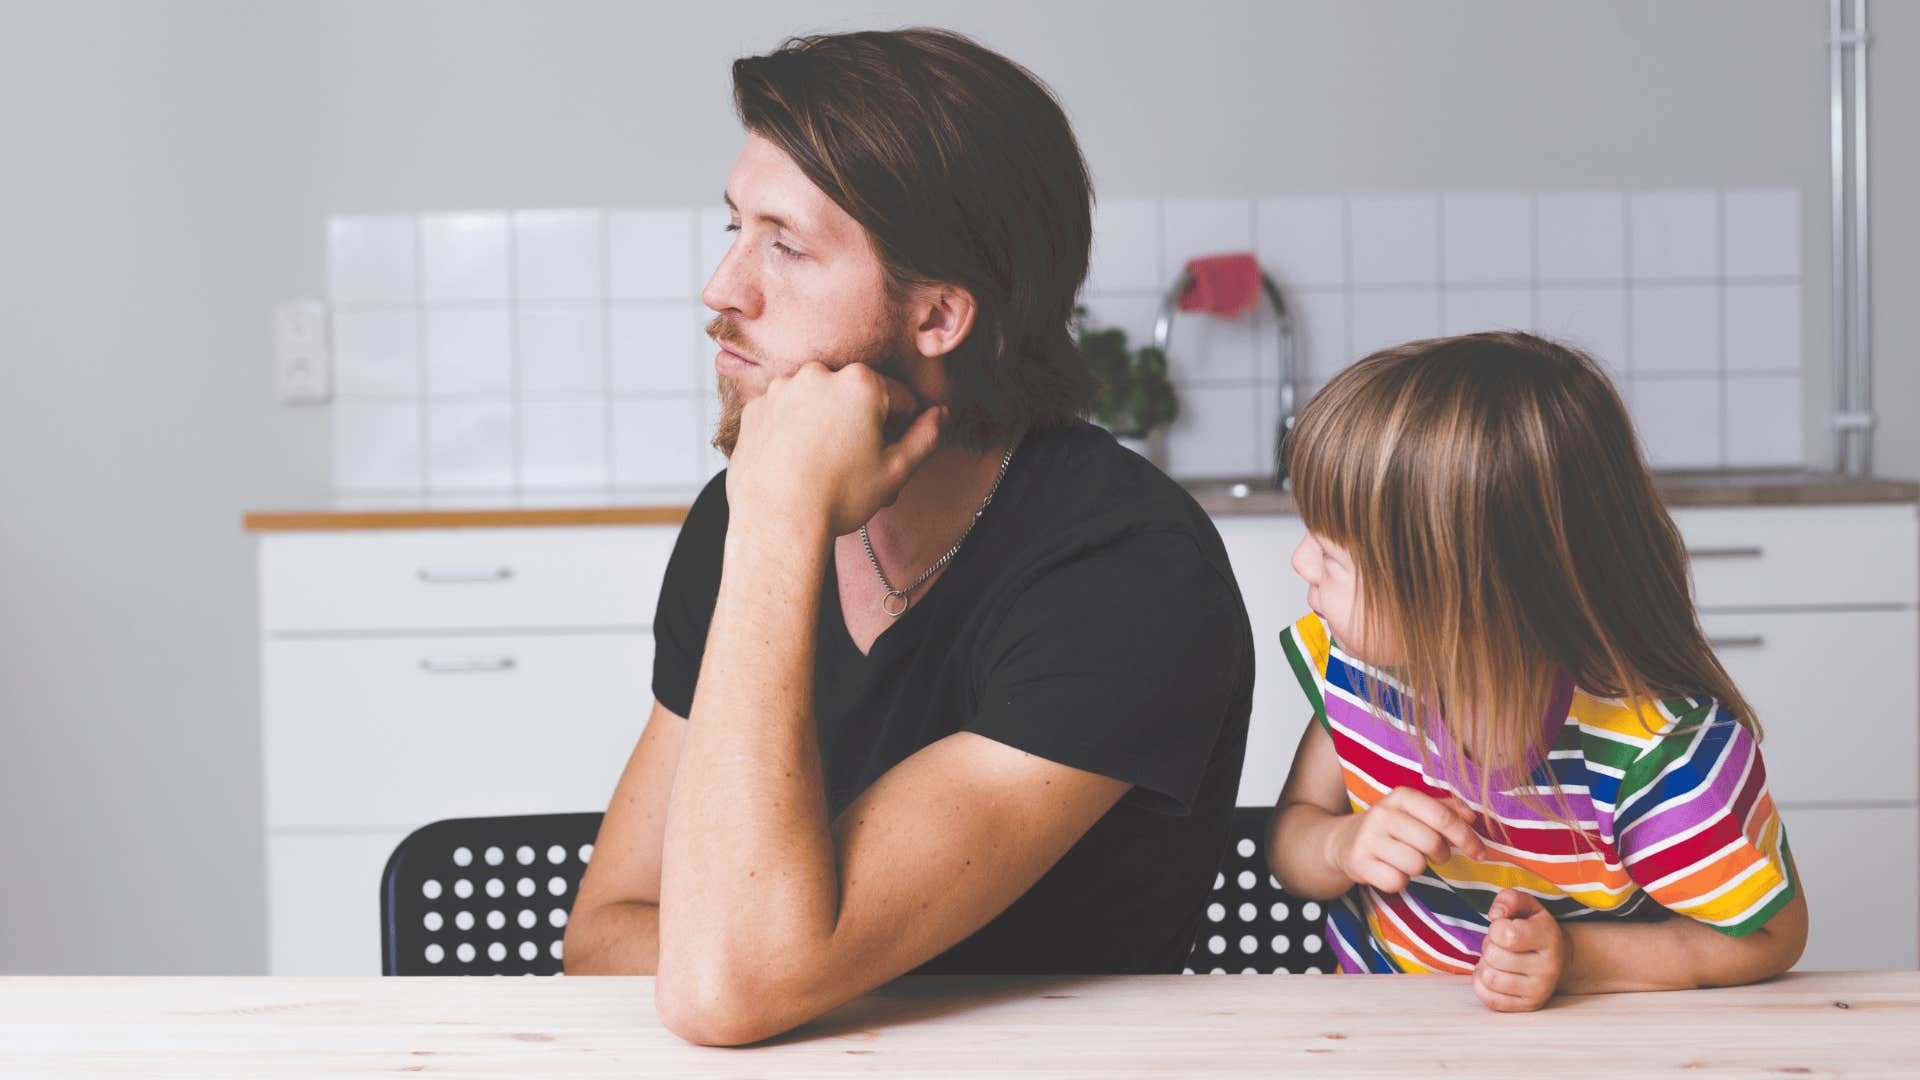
902,597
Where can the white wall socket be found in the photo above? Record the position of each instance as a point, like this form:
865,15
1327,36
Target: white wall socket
302,352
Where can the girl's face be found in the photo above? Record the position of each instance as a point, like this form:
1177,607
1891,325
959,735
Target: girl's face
1333,592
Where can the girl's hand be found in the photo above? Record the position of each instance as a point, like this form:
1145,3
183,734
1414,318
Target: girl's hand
1392,841
1525,952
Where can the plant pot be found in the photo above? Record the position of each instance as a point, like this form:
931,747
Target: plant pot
1152,446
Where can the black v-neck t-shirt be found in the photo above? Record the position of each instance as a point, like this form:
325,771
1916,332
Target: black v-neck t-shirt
1091,619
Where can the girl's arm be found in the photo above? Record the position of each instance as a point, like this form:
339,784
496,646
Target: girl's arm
1318,848
1529,958
1679,953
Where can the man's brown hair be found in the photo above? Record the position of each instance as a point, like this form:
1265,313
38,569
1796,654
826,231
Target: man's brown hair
962,168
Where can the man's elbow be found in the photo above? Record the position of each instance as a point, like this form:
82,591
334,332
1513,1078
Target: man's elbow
715,1009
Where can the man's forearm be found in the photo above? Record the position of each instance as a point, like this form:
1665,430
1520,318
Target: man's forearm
748,867
615,939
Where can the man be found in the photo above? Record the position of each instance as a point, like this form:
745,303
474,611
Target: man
946,680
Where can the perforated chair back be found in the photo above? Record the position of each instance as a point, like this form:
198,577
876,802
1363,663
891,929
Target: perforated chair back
1250,925
490,896
483,896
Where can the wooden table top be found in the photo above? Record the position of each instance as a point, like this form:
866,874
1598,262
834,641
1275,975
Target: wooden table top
1180,1025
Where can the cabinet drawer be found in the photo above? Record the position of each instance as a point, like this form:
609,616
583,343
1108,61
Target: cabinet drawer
1818,556
1838,699
1861,869
323,902
462,578
397,732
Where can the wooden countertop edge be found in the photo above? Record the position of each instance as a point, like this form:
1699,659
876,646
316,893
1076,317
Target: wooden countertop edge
1213,497
339,520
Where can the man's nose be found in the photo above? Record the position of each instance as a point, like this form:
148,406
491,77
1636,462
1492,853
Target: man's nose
731,288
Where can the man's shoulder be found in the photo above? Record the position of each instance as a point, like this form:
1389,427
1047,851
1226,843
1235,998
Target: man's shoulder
1092,493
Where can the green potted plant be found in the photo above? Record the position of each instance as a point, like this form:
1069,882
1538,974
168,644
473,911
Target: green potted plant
1135,399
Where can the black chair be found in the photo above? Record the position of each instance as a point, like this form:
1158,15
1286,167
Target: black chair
490,896
483,896
1250,925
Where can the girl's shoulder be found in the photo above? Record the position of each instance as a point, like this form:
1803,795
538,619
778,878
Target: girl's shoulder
1618,726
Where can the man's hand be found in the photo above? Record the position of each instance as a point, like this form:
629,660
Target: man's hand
1395,839
1525,952
814,447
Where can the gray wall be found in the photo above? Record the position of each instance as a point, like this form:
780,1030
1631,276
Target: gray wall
165,170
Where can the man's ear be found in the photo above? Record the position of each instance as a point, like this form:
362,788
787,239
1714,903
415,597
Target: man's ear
944,317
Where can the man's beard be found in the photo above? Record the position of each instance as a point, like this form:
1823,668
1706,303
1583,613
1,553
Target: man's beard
885,354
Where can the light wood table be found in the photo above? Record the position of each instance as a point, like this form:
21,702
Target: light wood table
1222,1025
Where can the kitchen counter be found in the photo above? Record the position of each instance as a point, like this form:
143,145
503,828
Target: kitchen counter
1717,488
1191,1025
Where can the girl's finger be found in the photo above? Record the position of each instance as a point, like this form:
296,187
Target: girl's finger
1499,1002
1517,963
1416,834
1505,982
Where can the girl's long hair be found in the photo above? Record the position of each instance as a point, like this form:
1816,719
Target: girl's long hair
1506,536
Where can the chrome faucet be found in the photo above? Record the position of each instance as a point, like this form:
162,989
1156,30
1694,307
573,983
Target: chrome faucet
1289,377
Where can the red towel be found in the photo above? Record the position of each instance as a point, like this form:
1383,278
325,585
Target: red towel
1226,285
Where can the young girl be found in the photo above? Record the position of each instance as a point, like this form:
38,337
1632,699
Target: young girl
1524,762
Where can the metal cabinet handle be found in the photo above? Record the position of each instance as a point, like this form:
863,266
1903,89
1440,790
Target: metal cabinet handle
1749,641
449,575
453,665
1752,551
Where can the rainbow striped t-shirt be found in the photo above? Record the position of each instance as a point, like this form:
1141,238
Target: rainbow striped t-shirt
1676,807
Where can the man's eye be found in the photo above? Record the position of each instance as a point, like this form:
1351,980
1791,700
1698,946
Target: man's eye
785,250
733,227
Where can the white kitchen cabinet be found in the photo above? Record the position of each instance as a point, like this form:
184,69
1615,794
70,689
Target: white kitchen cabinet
1862,890
323,900
413,675
1815,611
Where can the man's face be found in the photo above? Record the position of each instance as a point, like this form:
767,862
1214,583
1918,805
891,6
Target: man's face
800,283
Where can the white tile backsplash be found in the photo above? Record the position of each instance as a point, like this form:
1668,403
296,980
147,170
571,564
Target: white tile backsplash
1487,238
476,349
1210,349
563,445
1766,420
651,255
1580,235
464,258
558,255
1760,232
657,443
470,446
1673,328
560,349
1320,335
1383,317
1126,247
1678,420
1302,239
1472,309
376,353
714,240
658,348
373,259
1592,318
469,351
1763,327
1190,228
1394,239
1215,433
376,447
1673,234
